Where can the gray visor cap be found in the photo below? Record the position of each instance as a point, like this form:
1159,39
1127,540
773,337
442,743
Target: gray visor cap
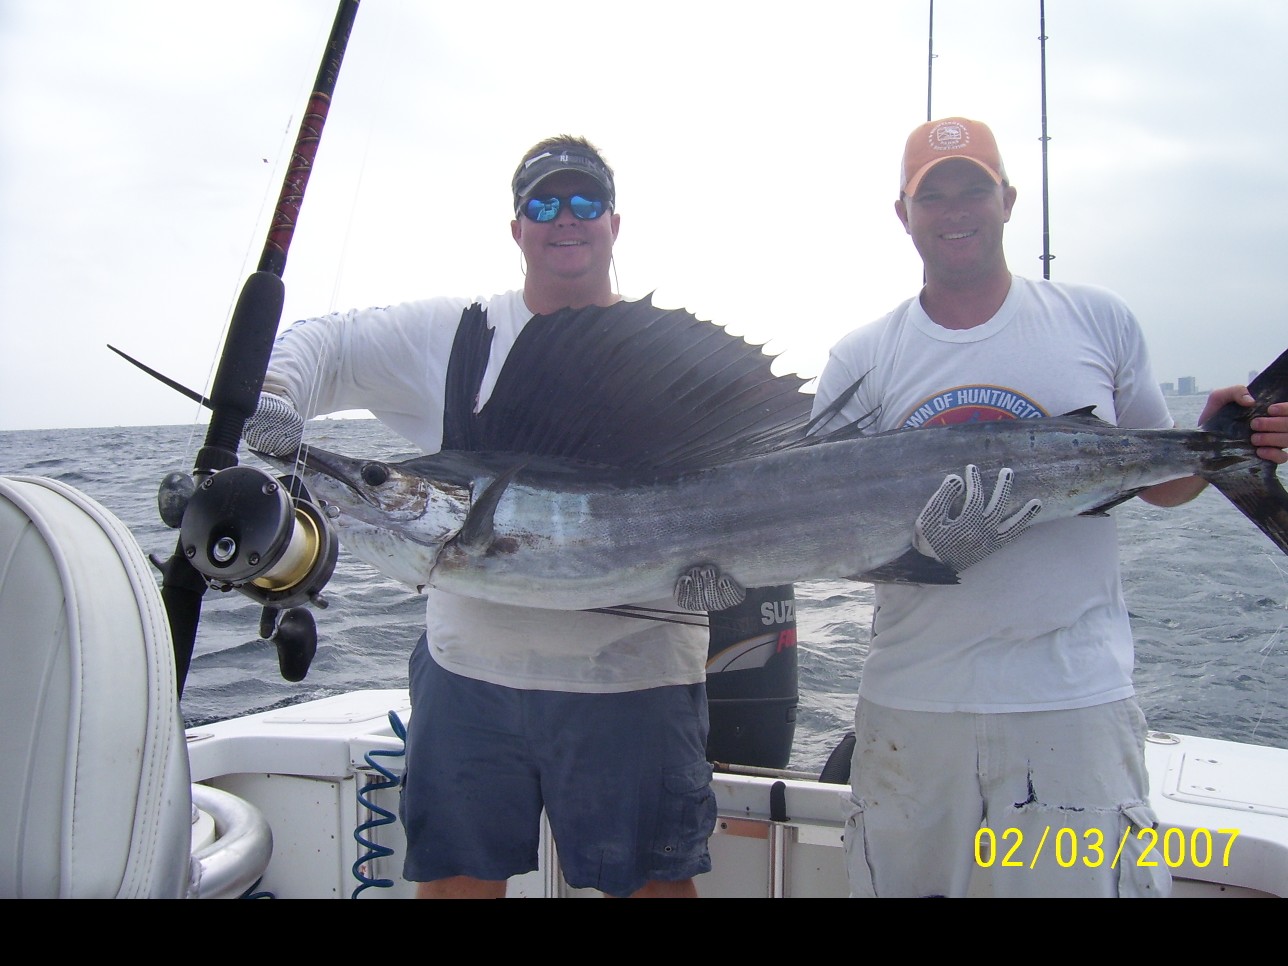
535,170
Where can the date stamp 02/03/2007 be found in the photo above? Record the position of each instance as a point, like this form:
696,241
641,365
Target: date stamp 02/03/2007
1173,847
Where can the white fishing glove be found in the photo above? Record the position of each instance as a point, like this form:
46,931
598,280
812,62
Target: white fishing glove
275,427
978,529
705,588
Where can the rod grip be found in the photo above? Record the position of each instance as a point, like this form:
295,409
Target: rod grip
240,376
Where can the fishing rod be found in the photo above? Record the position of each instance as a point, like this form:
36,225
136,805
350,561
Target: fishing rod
239,528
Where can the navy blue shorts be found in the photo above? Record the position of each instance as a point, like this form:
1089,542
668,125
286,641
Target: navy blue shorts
623,777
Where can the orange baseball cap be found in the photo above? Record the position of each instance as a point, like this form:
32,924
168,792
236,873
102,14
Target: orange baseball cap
951,137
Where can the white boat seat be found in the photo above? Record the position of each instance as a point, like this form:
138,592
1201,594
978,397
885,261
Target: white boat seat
96,802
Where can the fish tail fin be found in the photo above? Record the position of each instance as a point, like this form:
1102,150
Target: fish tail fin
1235,421
1254,487
1260,497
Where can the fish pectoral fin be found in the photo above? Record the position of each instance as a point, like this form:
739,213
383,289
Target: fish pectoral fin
911,568
477,533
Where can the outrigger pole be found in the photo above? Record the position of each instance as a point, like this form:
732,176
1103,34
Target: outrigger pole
1046,255
930,76
1046,212
237,384
930,62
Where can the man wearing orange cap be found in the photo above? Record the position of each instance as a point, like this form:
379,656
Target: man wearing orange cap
1007,699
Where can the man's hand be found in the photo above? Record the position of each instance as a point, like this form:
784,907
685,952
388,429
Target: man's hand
979,529
1269,431
705,588
275,427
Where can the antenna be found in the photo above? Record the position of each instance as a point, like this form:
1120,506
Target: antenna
1046,210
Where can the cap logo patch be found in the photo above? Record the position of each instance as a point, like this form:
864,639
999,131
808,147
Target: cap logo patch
949,136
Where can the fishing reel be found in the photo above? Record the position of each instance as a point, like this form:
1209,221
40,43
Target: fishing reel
244,530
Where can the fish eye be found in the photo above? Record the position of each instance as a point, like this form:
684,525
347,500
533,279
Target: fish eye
374,474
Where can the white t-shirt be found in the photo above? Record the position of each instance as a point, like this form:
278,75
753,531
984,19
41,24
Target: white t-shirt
393,361
1040,624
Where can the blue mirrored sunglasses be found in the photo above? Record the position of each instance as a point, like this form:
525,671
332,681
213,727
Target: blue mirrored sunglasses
547,209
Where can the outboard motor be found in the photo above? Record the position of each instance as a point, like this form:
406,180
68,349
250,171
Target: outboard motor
752,687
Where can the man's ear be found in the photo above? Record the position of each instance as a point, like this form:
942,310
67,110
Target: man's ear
1009,195
901,210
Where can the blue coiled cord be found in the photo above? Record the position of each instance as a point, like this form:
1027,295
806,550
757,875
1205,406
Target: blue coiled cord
382,815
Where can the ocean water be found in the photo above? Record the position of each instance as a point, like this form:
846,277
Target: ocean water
1208,594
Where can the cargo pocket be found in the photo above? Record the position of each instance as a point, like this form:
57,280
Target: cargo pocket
1142,871
857,869
686,817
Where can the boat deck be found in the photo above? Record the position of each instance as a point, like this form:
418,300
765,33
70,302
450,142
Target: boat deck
322,770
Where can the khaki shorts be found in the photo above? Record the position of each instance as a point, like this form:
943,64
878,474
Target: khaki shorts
1043,803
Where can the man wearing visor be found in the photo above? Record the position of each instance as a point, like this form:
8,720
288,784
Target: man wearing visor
599,719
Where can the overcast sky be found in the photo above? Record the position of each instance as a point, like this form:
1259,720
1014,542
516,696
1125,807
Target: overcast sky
143,144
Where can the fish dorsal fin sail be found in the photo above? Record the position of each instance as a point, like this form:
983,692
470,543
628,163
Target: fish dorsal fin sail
627,385
849,430
465,369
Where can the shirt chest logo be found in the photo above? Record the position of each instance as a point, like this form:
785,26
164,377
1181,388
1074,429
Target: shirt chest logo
972,404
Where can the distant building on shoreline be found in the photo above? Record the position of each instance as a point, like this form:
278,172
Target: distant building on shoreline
1189,386
1184,386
